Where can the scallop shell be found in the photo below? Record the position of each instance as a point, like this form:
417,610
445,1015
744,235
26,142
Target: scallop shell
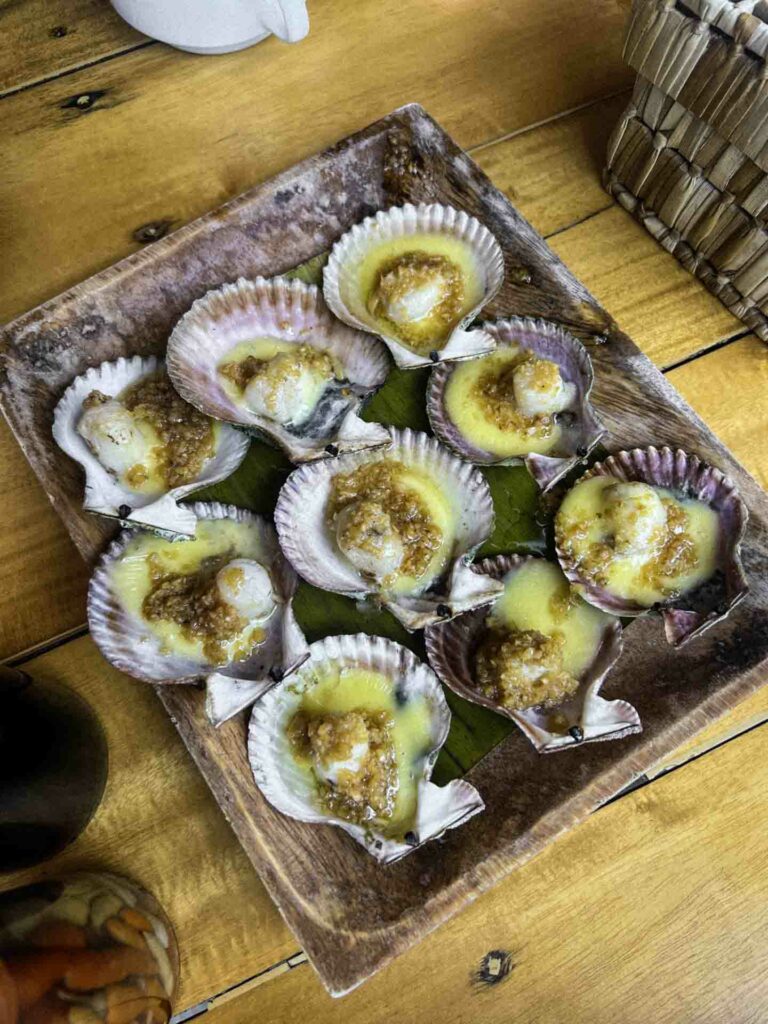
590,717
128,643
690,614
399,221
286,787
104,495
309,547
548,341
290,311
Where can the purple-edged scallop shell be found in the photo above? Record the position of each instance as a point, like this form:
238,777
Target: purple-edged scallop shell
105,493
290,789
580,427
127,641
586,717
310,545
691,613
342,276
287,311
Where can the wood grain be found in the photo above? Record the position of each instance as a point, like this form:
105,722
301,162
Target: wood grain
43,38
729,388
630,274
654,909
551,172
42,578
351,917
159,823
170,135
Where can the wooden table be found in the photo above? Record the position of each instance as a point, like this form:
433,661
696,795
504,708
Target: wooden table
656,908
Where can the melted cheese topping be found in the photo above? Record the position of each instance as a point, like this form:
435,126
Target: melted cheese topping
478,421
216,538
538,597
342,690
586,530
432,331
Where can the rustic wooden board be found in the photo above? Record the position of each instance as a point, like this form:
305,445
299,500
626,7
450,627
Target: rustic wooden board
351,916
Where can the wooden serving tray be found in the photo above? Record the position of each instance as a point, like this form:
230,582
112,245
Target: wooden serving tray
351,915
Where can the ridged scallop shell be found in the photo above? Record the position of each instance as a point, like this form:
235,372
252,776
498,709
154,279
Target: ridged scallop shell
450,646
127,642
311,550
548,341
291,311
286,787
690,614
406,220
104,495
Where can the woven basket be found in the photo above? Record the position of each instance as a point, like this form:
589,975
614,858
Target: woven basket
689,158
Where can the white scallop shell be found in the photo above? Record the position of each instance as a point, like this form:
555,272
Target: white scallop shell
291,311
312,551
339,275
590,716
128,643
547,341
287,788
104,494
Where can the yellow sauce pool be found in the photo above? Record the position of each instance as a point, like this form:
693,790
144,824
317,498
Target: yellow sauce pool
361,282
357,689
583,513
536,597
444,517
261,349
132,582
475,425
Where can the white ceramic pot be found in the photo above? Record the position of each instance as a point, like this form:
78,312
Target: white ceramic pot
216,26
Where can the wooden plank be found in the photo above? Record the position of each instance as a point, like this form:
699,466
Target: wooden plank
164,136
42,578
324,885
43,38
655,909
159,824
751,713
665,310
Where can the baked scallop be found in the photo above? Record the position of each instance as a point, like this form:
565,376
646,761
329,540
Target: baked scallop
267,356
399,524
527,401
655,528
351,740
217,608
539,656
142,447
416,276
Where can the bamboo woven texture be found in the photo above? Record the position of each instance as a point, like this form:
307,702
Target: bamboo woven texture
689,157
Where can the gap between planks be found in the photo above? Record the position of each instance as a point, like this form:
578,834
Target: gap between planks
16,89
